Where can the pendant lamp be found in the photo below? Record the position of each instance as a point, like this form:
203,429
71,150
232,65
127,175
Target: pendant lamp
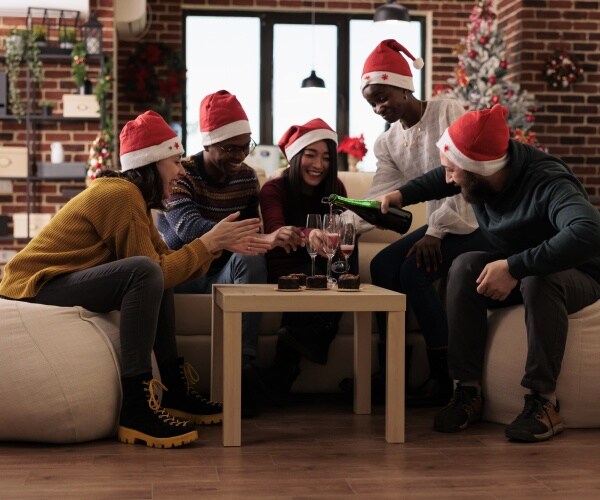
391,11
313,81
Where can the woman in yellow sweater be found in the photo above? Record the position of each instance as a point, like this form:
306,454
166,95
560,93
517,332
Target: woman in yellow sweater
101,251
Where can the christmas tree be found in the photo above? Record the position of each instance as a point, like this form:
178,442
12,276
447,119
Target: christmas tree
479,81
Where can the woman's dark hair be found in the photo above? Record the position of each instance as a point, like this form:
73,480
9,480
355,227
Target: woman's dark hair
329,185
148,181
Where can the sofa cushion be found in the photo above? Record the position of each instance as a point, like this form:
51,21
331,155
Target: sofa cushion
59,373
578,387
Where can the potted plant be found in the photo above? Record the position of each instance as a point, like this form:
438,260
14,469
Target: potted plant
21,47
67,38
79,69
40,33
46,107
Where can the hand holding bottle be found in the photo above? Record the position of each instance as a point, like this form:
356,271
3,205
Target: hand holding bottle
394,199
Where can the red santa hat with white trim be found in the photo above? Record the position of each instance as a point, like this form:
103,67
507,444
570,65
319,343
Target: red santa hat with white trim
387,65
146,140
222,117
297,137
478,141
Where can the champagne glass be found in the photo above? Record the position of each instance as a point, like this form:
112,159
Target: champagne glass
331,240
313,221
347,241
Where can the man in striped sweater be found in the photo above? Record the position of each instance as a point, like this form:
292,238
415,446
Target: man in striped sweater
218,183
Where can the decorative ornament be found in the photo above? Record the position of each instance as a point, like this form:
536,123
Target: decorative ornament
355,148
156,76
562,71
100,156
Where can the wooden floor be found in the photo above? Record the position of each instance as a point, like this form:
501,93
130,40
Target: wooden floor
313,448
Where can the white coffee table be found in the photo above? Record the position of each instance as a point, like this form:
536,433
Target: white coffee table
230,301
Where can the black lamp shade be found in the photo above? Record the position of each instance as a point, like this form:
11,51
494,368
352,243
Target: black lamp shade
313,81
91,34
391,11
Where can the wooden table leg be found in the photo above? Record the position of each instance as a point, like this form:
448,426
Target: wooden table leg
216,353
232,379
394,402
362,363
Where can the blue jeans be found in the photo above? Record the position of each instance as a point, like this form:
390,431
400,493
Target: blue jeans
391,269
548,301
133,286
240,269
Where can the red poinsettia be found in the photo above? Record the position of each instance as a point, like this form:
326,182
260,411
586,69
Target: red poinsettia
354,146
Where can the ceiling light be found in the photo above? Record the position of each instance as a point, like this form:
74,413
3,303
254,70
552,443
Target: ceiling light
391,11
313,81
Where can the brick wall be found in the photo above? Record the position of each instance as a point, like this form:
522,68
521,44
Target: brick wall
568,121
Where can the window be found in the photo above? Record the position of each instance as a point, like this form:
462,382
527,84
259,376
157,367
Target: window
269,55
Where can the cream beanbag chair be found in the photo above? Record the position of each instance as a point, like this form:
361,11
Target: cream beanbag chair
59,373
578,388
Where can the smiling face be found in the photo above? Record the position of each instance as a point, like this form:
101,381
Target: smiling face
475,188
170,170
314,163
387,101
225,158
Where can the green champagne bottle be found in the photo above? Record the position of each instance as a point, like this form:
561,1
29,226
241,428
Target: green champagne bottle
396,219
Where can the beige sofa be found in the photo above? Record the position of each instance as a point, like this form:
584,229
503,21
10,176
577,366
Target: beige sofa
194,317
579,384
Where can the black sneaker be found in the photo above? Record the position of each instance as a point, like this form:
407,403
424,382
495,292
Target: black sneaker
538,421
464,408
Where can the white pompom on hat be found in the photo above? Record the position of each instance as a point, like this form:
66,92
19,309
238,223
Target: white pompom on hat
222,117
146,140
387,66
478,141
297,137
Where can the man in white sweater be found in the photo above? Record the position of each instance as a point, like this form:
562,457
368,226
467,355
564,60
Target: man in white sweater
411,265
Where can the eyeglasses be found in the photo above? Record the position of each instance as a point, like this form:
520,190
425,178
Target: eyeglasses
232,149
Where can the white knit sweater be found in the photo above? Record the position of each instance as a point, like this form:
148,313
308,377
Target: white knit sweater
403,155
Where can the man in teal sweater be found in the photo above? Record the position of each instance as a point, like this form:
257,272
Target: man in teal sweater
536,213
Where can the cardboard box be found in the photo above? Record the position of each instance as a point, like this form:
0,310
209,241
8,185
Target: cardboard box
72,170
36,223
13,162
80,106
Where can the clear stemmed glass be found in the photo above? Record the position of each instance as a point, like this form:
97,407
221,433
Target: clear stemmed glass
347,240
313,221
331,240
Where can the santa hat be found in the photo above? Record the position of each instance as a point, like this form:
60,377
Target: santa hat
222,117
297,137
147,139
386,65
478,141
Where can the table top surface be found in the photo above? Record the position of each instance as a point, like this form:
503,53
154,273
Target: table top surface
264,298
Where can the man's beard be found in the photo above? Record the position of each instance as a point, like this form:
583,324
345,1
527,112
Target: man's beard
477,189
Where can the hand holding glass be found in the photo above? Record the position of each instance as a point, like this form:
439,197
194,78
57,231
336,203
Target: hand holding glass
313,221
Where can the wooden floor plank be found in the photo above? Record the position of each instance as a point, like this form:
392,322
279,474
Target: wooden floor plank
313,448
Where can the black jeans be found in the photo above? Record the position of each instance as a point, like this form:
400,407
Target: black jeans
548,301
134,286
391,269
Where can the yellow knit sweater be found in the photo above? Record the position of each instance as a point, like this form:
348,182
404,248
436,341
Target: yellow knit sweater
107,221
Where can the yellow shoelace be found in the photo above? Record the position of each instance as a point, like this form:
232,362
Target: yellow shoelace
154,404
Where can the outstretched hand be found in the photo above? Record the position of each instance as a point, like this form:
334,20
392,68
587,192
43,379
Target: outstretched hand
236,236
290,238
495,281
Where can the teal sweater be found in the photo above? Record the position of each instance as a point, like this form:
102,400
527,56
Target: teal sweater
541,221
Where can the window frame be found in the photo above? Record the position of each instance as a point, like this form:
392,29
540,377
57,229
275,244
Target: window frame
268,19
